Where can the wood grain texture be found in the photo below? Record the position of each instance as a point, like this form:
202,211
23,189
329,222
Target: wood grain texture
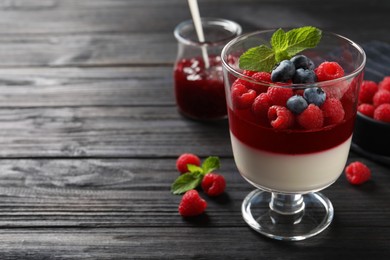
89,135
107,132
71,87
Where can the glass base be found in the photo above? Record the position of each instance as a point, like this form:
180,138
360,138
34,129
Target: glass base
312,214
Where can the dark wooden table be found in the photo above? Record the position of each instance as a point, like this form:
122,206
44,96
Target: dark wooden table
89,135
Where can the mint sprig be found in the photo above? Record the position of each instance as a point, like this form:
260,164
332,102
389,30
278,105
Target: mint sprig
284,45
191,180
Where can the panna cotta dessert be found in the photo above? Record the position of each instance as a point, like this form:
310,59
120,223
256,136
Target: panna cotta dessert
292,140
291,100
291,123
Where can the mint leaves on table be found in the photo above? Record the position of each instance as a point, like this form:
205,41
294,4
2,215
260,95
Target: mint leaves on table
193,178
284,45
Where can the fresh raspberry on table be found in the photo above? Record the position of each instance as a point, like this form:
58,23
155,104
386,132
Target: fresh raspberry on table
367,91
242,97
382,113
357,173
192,204
329,70
333,111
260,107
381,97
184,160
279,95
385,83
280,117
213,184
311,118
366,109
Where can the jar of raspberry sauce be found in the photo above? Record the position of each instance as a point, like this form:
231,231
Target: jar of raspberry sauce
198,79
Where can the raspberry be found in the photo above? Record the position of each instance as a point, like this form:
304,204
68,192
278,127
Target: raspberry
279,95
280,117
333,111
381,97
248,73
192,204
382,113
357,173
367,91
328,71
260,106
311,117
242,97
261,77
385,83
366,109
184,159
213,184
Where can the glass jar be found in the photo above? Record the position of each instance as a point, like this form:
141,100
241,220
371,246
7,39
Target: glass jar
198,78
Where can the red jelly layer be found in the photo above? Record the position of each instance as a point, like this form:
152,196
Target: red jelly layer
290,141
199,92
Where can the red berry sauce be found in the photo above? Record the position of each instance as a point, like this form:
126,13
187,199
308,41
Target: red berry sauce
289,141
199,92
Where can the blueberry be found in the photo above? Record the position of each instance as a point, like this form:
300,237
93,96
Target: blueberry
314,96
283,72
296,104
304,76
301,61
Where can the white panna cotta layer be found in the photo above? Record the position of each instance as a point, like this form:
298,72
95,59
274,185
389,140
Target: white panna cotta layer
300,173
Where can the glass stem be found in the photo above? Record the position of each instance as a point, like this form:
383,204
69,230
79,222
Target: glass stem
287,204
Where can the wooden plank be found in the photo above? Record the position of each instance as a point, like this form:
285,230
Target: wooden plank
107,132
185,243
101,33
59,87
106,49
136,192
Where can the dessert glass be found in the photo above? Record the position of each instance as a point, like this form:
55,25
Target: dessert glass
199,87
288,167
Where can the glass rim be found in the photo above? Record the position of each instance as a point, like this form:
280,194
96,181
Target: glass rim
240,75
229,25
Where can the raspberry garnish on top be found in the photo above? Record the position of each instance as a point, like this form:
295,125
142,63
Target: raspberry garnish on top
279,95
333,111
260,107
280,117
242,96
329,70
311,118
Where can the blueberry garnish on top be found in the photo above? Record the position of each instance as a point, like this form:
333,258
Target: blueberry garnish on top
283,72
296,104
314,95
301,61
304,76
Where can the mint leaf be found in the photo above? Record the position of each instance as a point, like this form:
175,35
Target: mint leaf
279,40
186,182
261,58
194,168
210,164
284,46
302,38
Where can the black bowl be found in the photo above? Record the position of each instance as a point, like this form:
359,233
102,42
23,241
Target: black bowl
372,136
